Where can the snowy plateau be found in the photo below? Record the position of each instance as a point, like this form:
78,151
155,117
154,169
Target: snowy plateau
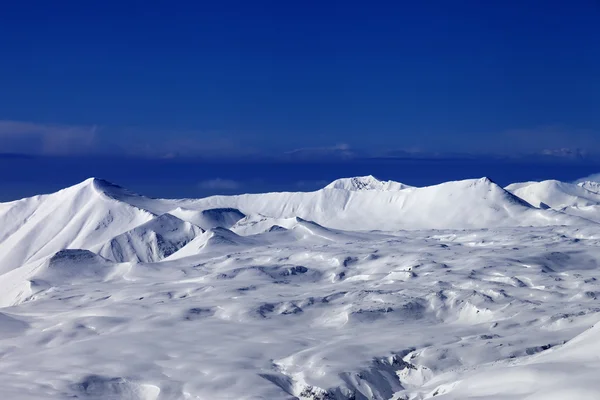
361,290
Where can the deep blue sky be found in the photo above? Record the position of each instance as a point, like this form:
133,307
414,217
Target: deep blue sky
237,77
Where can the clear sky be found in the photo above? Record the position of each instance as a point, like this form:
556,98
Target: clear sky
237,77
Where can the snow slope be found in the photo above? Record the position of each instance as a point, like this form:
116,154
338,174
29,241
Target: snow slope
581,200
555,194
455,291
568,372
151,241
361,317
82,216
211,218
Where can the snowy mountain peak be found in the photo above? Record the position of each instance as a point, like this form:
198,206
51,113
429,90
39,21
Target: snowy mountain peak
368,182
96,186
591,186
110,189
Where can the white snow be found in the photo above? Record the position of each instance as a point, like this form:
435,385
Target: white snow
361,290
581,200
366,183
151,241
476,203
555,194
211,218
82,216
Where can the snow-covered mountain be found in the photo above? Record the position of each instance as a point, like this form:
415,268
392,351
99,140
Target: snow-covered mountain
123,226
555,194
366,183
593,187
580,200
360,290
82,216
453,205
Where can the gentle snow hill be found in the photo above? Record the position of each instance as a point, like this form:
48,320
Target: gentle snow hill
297,230
208,219
477,203
256,223
366,183
555,194
150,242
591,213
212,240
63,268
81,216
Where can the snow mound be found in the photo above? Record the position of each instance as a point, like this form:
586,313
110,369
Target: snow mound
213,240
211,218
304,229
66,267
555,194
74,264
101,387
257,223
152,241
366,183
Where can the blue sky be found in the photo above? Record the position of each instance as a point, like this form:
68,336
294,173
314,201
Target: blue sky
241,77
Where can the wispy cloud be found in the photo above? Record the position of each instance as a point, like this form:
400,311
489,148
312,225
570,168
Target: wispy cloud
219,184
339,151
171,144
46,139
550,139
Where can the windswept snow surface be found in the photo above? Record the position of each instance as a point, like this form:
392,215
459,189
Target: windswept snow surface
457,291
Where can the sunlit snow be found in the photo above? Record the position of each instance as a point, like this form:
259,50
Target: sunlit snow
361,290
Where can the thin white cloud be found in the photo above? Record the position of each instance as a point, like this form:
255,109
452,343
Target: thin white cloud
46,139
219,184
339,151
550,139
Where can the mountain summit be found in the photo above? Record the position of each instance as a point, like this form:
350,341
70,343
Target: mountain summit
368,182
